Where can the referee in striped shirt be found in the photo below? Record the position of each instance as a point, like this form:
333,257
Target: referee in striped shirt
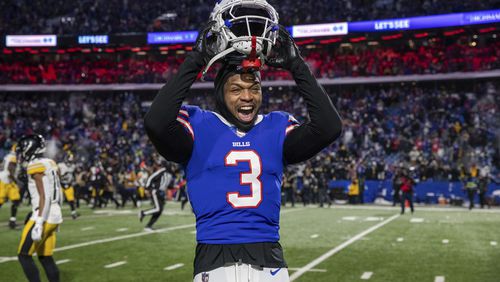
157,184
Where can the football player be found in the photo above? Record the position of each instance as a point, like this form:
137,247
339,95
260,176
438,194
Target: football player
142,178
234,157
67,169
129,191
157,184
8,186
109,189
98,182
39,233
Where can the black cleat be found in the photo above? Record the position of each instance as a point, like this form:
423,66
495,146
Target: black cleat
141,216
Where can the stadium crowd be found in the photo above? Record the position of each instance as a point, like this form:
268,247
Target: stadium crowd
440,130
126,16
426,57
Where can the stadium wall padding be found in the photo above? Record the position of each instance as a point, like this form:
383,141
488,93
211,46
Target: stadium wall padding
425,192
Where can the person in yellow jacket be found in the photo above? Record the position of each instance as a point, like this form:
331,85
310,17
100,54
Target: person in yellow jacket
353,191
471,189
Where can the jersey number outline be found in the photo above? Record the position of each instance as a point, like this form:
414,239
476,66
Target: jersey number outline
251,178
55,196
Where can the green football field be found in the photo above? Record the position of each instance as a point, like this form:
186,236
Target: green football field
342,243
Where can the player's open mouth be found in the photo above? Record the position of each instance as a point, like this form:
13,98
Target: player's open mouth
246,113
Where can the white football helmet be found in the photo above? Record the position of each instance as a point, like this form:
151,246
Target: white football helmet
247,26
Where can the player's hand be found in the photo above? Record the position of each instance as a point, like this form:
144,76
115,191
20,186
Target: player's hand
284,53
37,231
206,44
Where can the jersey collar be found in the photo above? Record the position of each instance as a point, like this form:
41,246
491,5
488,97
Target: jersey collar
233,127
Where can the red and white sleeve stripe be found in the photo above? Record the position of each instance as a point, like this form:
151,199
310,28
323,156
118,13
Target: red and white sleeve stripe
184,113
183,118
292,124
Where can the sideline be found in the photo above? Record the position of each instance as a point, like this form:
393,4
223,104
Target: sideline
418,208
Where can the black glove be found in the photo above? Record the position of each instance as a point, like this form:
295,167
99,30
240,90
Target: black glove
206,44
284,53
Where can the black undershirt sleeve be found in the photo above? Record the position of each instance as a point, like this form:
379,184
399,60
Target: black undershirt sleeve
165,132
175,144
324,124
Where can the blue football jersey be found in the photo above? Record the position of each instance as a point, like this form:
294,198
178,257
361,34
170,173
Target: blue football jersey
234,179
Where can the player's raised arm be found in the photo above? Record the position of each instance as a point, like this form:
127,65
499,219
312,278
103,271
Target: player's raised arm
325,124
162,127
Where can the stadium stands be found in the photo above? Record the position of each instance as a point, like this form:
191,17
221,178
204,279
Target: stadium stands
419,106
118,16
359,60
440,129
436,128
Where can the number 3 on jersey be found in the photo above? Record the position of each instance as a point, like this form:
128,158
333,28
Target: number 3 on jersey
246,178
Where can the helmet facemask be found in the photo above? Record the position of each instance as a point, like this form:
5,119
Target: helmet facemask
249,27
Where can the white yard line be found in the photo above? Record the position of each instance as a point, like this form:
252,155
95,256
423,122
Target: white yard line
314,236
371,218
340,247
366,275
112,239
128,236
310,270
115,212
400,239
88,228
175,266
6,259
417,220
446,241
115,264
493,243
174,212
63,261
439,279
122,229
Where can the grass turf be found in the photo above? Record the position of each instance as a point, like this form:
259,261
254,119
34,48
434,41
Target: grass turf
307,233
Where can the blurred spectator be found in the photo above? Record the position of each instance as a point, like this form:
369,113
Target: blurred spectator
124,16
353,191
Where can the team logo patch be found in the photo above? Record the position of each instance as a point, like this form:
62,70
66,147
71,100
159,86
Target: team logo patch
204,277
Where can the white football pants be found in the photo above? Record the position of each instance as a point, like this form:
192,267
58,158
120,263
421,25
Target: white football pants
242,272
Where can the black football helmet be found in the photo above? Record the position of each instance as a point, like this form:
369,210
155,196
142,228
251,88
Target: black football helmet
30,146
